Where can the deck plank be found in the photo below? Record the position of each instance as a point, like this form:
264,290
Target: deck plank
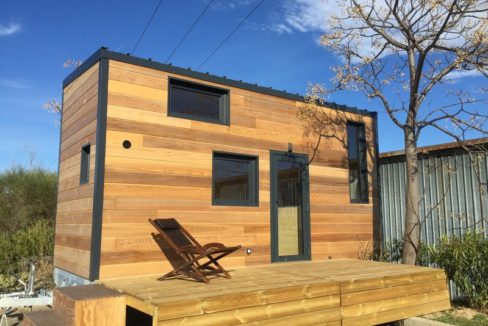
347,291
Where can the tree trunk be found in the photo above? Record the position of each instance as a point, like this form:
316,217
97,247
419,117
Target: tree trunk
411,240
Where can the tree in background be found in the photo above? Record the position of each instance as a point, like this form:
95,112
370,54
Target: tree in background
399,54
26,195
27,215
54,105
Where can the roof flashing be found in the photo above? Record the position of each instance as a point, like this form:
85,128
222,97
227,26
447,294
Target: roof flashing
103,52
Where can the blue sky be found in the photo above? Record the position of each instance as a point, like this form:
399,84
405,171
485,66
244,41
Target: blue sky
277,47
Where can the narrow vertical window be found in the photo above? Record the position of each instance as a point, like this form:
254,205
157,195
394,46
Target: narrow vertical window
358,167
85,164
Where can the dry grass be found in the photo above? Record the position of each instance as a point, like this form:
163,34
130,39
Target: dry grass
461,316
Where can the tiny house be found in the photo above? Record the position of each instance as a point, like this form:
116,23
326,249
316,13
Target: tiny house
229,160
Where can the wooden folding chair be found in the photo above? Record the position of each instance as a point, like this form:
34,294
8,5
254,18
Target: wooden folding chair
192,252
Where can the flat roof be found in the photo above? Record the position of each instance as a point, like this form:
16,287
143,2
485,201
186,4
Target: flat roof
187,72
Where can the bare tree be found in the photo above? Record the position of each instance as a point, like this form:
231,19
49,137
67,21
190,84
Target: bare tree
54,105
402,54
326,127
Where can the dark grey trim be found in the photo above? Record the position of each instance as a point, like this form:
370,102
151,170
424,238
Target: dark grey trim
85,165
104,53
302,159
59,163
96,235
362,200
223,93
87,64
377,217
60,136
253,181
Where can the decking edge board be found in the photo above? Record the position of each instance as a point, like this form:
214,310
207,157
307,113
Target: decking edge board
231,306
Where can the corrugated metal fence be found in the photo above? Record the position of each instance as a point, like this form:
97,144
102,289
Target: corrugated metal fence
453,194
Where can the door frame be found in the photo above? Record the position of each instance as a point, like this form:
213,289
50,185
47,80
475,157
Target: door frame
305,183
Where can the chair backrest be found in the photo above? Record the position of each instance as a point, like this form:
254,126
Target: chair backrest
174,233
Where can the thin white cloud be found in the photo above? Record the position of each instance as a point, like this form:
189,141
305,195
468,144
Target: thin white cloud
458,74
280,28
9,29
304,16
11,83
276,28
231,4
312,16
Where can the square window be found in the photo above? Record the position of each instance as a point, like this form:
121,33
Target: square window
198,102
234,180
85,164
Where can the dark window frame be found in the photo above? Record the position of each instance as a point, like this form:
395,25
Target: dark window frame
363,170
223,93
85,164
302,159
253,179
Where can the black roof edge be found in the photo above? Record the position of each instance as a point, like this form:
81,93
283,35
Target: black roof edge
103,52
94,58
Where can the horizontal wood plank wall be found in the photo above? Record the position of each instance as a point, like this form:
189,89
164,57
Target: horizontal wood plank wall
168,170
75,201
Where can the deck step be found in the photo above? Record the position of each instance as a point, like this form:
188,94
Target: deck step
93,304
44,318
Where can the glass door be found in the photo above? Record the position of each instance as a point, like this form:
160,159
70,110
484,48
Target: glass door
290,219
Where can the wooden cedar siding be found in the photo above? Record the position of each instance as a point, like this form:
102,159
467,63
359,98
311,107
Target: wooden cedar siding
75,201
168,170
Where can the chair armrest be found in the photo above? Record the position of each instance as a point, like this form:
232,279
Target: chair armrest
189,249
214,245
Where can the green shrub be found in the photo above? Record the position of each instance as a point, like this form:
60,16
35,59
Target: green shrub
465,260
393,250
34,244
26,195
35,241
27,215
7,282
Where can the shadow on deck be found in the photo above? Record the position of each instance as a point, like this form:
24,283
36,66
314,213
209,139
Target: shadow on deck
334,292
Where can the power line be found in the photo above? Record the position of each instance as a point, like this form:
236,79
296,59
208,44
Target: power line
147,25
229,36
188,31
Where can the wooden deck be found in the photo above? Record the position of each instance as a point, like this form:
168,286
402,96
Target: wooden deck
334,292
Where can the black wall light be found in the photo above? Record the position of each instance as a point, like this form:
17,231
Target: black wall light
290,147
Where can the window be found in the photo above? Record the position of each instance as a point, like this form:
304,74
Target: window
234,180
198,102
85,164
358,168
